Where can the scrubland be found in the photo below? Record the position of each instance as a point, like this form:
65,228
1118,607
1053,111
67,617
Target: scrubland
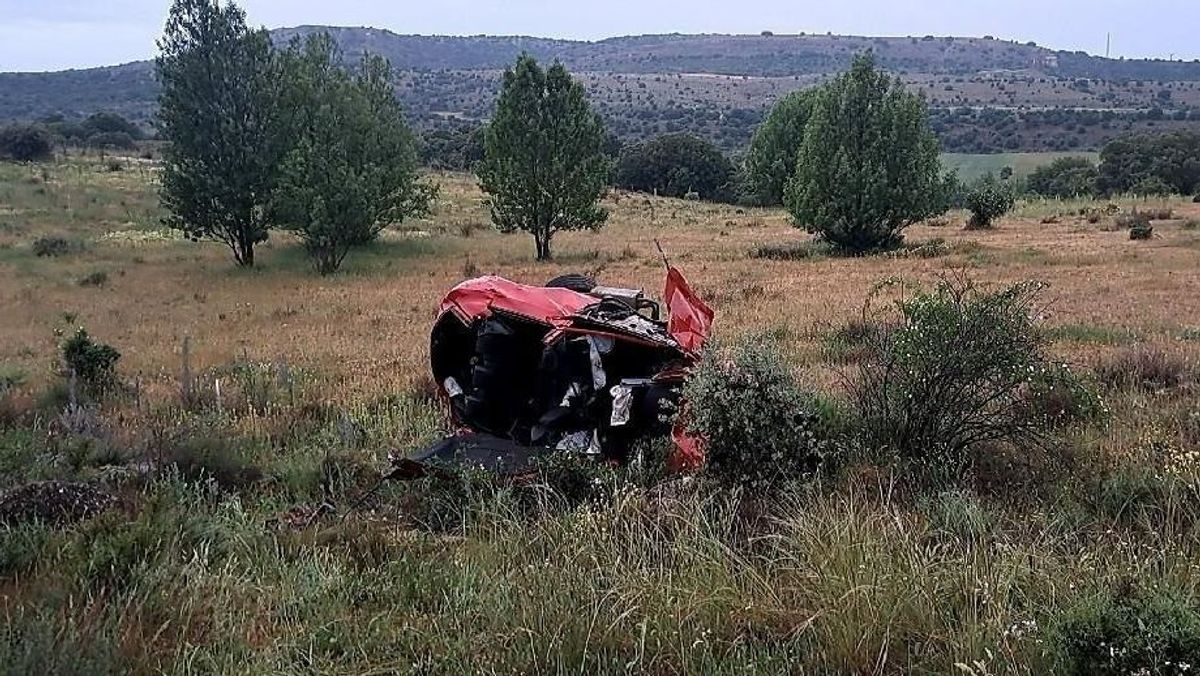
256,408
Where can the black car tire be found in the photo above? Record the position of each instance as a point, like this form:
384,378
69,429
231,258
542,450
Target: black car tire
574,282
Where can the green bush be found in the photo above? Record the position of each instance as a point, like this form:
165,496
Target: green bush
1064,178
760,425
25,143
93,363
1141,232
1130,631
988,200
951,372
51,246
676,165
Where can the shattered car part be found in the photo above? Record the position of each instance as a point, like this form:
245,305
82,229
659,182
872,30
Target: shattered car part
528,370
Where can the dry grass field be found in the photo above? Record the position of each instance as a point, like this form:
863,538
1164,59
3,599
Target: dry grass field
241,542
367,326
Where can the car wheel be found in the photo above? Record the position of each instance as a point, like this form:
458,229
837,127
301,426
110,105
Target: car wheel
574,282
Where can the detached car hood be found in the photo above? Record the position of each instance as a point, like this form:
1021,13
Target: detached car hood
528,370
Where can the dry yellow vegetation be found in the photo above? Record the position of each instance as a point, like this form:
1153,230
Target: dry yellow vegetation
366,328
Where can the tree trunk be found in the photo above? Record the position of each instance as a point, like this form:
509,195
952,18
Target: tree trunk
542,239
243,252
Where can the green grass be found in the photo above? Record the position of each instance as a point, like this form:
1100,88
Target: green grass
1091,333
973,166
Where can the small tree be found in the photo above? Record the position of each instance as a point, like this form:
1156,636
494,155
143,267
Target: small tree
771,160
675,165
868,166
988,200
544,166
353,169
217,110
25,142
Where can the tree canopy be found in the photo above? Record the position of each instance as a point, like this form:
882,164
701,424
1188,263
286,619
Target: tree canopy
771,160
352,167
1064,177
217,110
544,167
1140,162
676,165
868,166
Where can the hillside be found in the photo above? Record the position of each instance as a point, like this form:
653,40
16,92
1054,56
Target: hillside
988,95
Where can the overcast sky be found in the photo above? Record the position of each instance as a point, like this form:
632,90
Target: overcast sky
58,34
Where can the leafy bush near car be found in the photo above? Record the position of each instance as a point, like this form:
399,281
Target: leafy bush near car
760,424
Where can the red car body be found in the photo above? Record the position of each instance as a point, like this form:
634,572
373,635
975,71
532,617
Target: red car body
531,369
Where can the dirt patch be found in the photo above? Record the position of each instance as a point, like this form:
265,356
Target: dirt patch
54,502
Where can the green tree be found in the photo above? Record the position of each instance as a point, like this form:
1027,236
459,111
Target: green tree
26,142
544,166
218,112
1063,178
868,166
353,167
110,123
771,160
1143,161
675,165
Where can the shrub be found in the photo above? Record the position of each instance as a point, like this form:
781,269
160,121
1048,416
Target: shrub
50,246
93,363
953,371
1064,178
1129,631
25,143
1144,368
988,200
759,424
96,278
1141,232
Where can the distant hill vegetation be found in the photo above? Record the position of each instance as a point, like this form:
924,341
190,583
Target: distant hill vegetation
988,95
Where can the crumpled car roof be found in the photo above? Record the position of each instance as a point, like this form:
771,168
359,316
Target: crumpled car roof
479,297
689,324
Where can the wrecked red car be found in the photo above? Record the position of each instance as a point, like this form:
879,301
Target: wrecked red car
571,366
